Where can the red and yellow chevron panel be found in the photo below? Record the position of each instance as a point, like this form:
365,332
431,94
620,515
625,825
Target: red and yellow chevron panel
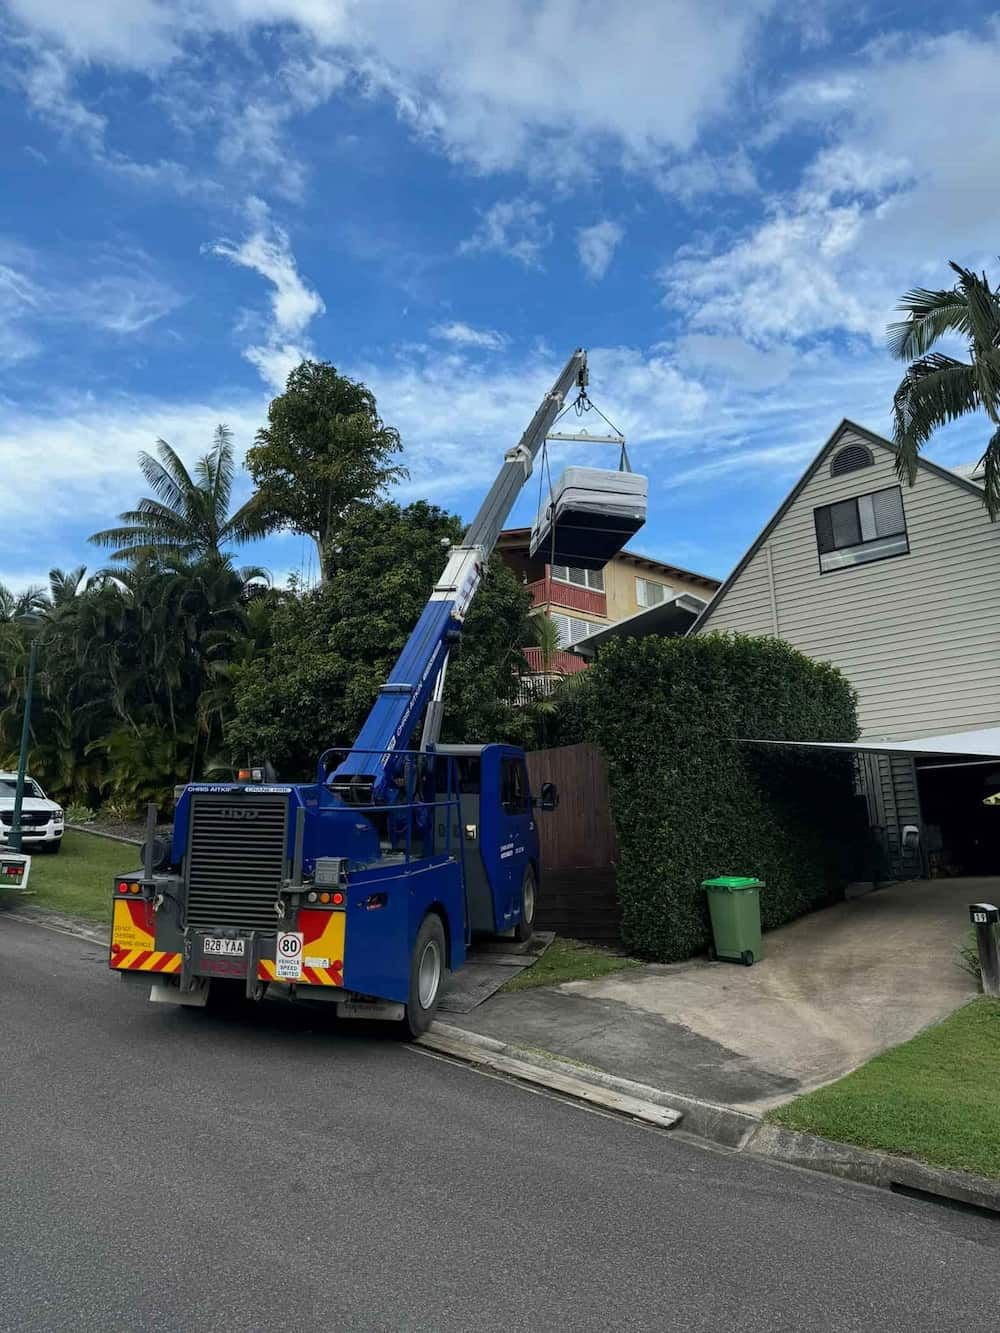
322,951
144,960
133,939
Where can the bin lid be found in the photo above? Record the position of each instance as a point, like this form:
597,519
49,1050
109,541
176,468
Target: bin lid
732,883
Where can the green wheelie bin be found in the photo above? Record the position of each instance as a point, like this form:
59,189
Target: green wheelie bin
734,906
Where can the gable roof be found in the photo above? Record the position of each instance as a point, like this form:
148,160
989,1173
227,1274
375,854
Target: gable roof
862,433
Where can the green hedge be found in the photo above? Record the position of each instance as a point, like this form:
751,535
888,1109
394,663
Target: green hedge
689,801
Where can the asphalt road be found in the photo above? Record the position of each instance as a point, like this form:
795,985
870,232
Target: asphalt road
175,1170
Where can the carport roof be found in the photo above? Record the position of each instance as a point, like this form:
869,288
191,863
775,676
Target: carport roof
985,742
672,617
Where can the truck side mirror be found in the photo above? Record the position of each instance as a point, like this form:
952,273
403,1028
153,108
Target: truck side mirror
548,796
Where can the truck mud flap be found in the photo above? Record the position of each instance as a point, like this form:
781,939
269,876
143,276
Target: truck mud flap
195,997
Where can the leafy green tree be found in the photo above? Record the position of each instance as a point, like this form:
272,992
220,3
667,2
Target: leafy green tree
133,691
187,515
333,646
324,451
938,388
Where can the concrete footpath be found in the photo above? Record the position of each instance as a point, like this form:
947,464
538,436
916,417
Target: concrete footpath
833,989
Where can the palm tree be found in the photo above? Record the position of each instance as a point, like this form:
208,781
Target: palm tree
20,606
938,388
187,516
547,640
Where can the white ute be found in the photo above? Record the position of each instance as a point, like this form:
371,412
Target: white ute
42,820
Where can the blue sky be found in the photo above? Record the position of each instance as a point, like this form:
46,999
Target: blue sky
721,200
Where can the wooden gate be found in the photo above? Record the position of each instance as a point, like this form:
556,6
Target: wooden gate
579,850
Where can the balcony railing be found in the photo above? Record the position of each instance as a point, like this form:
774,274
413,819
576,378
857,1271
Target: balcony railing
559,664
549,590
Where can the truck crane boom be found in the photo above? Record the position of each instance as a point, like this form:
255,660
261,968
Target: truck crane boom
416,682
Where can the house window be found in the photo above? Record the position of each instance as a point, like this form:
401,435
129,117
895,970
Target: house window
850,459
648,593
854,532
580,578
572,629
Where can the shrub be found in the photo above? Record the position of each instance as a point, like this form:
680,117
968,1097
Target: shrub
79,814
690,802
120,810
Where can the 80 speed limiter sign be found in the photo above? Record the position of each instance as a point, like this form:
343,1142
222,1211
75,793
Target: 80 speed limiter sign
288,955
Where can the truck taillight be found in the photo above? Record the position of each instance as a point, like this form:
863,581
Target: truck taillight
335,899
125,887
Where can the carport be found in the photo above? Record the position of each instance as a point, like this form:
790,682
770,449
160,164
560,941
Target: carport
958,777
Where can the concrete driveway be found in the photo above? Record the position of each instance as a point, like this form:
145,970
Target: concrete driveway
833,989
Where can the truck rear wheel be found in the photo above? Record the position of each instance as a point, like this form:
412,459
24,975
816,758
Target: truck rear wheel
427,969
525,928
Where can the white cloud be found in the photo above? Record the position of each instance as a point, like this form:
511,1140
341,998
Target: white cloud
48,80
780,282
242,114
294,305
517,228
118,303
596,247
464,335
748,365
76,465
538,84
692,178
39,293
903,180
696,439
455,434
532,84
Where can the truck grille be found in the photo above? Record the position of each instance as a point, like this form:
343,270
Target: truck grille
235,861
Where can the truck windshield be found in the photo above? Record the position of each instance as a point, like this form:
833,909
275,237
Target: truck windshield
8,787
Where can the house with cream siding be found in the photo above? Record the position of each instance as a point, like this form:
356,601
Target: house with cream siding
899,587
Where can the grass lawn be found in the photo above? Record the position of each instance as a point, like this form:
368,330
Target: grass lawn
936,1097
569,960
78,881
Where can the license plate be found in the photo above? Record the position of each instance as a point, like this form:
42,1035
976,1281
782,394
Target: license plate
219,945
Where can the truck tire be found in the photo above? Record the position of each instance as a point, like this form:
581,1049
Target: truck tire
525,928
427,969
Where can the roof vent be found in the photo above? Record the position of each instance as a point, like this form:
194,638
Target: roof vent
850,459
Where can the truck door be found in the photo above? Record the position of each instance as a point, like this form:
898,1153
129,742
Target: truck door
517,831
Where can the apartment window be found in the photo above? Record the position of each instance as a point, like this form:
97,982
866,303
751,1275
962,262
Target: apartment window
580,578
648,593
572,629
854,532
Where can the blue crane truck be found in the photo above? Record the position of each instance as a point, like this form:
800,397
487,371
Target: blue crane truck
362,887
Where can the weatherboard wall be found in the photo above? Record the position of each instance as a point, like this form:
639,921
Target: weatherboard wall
917,634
